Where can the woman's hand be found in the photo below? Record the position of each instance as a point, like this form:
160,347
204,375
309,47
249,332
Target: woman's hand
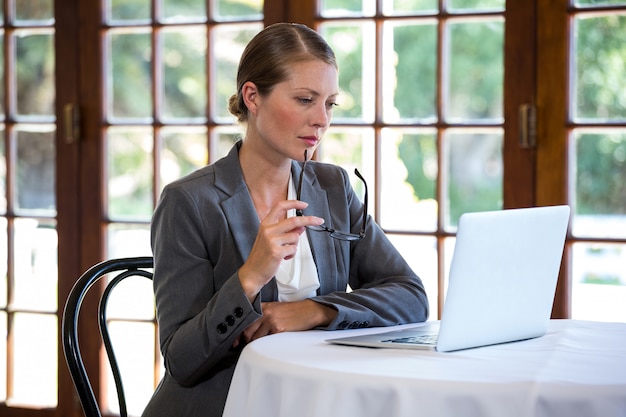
288,317
277,240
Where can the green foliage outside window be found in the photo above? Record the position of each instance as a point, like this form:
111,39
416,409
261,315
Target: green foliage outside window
599,65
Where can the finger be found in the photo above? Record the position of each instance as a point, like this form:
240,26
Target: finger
304,221
279,240
260,332
250,330
292,224
256,331
279,211
286,232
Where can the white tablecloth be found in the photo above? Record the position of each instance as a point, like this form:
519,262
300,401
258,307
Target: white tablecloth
577,369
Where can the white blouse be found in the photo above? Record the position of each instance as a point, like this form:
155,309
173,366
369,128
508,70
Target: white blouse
297,277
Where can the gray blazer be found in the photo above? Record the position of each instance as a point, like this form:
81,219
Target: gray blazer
202,231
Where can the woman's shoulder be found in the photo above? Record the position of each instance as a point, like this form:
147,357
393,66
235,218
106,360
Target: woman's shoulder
226,172
199,177
328,172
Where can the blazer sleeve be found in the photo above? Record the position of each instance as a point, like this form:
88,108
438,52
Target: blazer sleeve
199,313
386,291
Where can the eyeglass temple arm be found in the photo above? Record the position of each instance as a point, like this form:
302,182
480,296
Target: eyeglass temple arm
299,212
358,174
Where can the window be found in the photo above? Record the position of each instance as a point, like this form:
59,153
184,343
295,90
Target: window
596,141
28,236
429,112
165,116
421,113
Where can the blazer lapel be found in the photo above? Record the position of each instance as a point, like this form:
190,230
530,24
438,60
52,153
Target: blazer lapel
239,210
237,203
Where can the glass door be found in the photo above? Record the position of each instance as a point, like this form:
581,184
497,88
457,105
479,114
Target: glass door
28,235
168,74
596,141
421,113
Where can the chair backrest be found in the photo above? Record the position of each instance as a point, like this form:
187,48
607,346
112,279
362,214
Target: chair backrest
121,268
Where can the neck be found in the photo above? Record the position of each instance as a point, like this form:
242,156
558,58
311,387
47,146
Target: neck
267,183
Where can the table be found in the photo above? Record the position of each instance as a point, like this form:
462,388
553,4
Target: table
577,369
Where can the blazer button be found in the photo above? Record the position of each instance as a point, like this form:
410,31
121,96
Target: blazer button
230,320
365,324
355,324
343,325
221,328
238,312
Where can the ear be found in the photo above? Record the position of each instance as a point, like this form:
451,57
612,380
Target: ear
250,96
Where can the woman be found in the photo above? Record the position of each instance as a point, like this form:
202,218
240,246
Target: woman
232,260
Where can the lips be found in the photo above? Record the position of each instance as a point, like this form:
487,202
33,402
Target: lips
310,140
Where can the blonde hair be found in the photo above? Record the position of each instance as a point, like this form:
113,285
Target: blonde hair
266,59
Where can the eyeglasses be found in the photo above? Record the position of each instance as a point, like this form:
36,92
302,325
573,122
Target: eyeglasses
334,233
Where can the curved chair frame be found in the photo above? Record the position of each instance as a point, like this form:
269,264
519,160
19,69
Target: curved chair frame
126,267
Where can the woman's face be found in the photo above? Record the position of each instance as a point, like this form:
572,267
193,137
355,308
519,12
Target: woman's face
295,115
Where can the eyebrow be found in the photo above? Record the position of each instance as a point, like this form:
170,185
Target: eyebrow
314,92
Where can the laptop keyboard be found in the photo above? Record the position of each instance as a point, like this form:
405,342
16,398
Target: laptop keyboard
425,339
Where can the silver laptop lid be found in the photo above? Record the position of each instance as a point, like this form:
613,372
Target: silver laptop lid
503,276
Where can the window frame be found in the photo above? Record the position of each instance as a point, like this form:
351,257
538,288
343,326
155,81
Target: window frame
537,48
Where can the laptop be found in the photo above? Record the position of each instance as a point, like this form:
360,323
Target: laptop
501,287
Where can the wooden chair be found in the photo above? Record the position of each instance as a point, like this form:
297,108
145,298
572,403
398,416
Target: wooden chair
120,270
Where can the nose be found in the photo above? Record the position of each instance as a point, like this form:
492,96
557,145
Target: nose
321,116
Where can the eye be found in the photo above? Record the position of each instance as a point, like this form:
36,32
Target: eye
305,100
331,104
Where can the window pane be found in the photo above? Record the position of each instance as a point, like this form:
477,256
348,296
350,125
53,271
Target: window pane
184,83
356,68
135,350
599,183
33,11
345,8
132,299
449,244
184,150
3,356
34,75
476,5
35,359
128,240
129,10
598,282
35,265
223,138
128,76
410,71
130,172
421,254
600,59
408,191
599,2
475,53
237,9
2,75
3,171
35,171
183,10
3,269
400,7
228,42
473,163
350,149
